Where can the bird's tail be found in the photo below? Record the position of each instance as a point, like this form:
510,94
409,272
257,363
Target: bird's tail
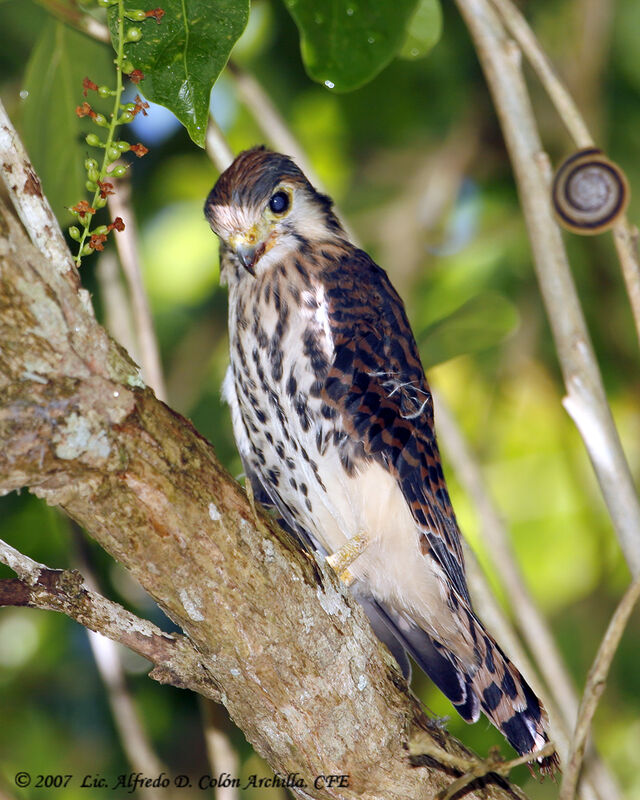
492,684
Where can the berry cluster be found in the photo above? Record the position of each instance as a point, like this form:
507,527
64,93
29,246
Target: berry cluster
98,175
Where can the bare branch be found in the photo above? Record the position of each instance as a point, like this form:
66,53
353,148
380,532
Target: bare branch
560,699
216,145
596,682
624,234
127,244
519,28
274,127
65,591
117,306
532,623
78,19
222,757
269,119
586,400
625,237
107,656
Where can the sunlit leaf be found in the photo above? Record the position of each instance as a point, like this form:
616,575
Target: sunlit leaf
424,30
345,43
182,56
53,134
482,322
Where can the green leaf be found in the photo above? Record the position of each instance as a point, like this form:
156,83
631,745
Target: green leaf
424,30
182,56
52,132
345,43
480,323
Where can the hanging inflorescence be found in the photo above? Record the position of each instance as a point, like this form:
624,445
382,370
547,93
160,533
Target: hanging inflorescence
99,176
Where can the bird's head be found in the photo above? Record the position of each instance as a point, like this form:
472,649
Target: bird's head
263,205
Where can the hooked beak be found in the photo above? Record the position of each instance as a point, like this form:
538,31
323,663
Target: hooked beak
249,248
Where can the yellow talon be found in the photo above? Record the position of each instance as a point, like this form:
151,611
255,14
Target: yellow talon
346,555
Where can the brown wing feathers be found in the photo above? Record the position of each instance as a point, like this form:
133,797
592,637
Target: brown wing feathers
377,384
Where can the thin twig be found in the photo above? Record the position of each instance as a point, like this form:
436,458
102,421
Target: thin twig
587,401
216,146
107,656
531,621
421,744
519,28
624,234
25,191
497,766
625,238
275,128
40,586
78,19
269,119
222,757
117,306
128,250
561,699
596,682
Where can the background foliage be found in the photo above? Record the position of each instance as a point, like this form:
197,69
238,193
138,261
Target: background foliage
415,159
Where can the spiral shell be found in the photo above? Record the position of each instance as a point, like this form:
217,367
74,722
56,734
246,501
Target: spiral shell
589,192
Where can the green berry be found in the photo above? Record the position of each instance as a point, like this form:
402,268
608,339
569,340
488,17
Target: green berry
118,171
113,153
87,250
99,230
91,186
100,202
125,117
133,35
101,120
105,91
74,233
93,140
123,146
127,67
136,14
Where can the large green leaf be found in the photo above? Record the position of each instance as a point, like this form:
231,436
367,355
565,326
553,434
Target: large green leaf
345,43
52,132
182,56
480,323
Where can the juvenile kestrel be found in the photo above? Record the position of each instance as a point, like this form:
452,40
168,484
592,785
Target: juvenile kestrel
333,418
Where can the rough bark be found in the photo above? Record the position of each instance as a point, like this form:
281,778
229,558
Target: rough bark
268,629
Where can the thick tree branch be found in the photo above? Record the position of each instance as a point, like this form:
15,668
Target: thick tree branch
290,651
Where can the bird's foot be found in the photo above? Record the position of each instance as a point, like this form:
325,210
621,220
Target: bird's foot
346,555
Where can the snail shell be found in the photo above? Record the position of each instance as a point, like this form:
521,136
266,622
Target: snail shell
589,192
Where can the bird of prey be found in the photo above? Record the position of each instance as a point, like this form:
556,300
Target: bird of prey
333,418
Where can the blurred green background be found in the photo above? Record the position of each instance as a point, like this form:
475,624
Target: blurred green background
416,161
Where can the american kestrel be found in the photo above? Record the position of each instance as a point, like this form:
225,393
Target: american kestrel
333,418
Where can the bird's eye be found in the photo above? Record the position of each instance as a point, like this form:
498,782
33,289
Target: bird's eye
279,202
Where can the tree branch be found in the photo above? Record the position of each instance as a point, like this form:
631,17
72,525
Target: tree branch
65,591
586,401
127,245
596,682
625,235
